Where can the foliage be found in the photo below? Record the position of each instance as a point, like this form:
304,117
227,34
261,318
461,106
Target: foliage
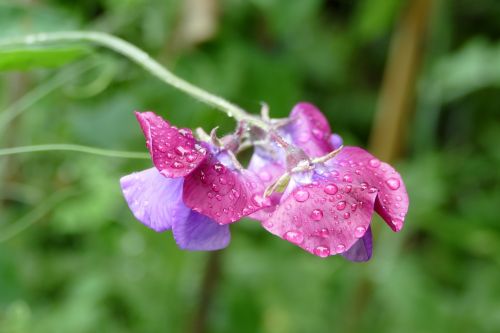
86,265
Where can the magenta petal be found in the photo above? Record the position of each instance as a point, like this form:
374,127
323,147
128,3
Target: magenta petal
355,166
175,152
200,233
154,200
362,249
310,129
222,194
321,218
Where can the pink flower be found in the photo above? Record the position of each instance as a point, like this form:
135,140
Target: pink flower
194,188
328,209
322,198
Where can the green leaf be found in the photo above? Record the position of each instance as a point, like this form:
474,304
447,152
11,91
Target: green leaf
45,57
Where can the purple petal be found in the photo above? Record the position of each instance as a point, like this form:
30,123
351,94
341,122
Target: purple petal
200,233
336,141
154,200
175,152
321,218
362,249
268,169
222,194
356,167
310,129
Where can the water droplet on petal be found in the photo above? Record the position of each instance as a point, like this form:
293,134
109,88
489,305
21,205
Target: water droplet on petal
301,195
374,163
341,205
294,236
222,180
190,157
177,165
359,232
322,251
317,215
347,189
397,223
347,179
393,183
219,168
181,151
324,232
372,190
347,215
340,248
331,189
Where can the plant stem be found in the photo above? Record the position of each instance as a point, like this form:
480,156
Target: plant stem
74,148
144,60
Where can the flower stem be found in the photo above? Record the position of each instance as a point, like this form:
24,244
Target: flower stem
73,148
145,61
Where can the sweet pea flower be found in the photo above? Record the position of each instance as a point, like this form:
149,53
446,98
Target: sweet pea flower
327,207
194,188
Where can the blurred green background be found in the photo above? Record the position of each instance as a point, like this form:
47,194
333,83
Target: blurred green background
72,257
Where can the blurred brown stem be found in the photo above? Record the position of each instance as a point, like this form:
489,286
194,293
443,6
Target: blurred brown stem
207,291
398,87
395,105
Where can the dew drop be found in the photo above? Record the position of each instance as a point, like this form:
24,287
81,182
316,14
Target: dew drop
374,163
261,201
219,168
322,251
317,215
347,189
301,195
222,180
347,179
347,215
181,151
341,205
397,223
340,248
324,232
331,189
190,157
359,232
372,190
393,183
294,236
177,165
